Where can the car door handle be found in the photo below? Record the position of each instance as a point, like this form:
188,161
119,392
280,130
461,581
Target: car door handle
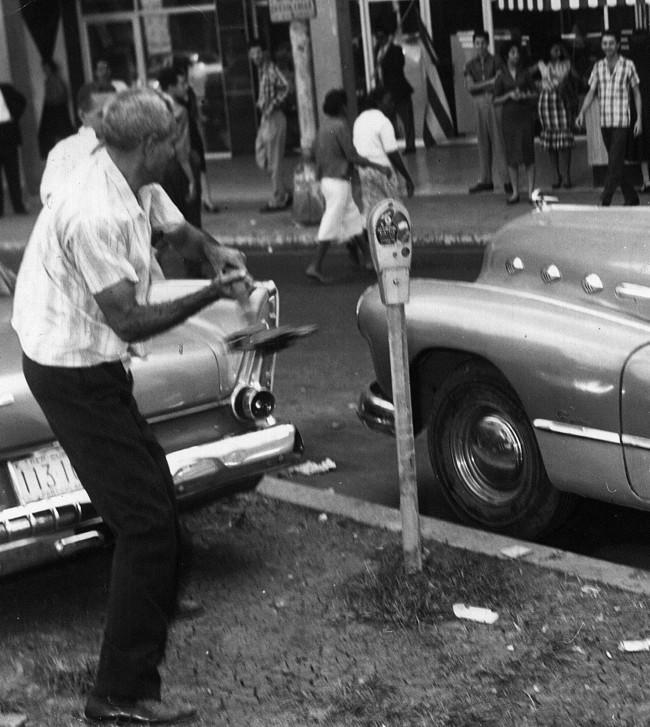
633,291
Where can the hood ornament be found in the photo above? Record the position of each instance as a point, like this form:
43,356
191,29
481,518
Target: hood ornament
6,399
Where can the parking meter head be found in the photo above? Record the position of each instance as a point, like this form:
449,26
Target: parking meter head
391,247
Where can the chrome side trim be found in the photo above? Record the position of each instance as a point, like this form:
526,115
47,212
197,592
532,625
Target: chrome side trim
575,430
633,291
629,440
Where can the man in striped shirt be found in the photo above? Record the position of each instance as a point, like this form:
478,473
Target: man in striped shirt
80,311
272,131
612,78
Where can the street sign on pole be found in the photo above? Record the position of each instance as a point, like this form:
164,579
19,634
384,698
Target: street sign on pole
391,247
284,11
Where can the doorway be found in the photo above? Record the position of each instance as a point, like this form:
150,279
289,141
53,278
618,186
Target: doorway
139,43
370,15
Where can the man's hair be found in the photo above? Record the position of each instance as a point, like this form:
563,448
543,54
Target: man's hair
169,77
334,102
134,115
376,97
481,34
85,97
612,34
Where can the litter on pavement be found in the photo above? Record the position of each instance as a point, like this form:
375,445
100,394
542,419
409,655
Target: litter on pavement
313,468
635,645
515,551
475,613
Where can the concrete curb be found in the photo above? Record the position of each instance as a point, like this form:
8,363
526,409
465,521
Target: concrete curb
458,536
306,239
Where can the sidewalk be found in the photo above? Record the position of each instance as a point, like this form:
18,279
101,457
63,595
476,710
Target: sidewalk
442,211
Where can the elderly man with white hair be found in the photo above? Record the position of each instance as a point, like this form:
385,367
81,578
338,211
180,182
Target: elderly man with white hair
81,311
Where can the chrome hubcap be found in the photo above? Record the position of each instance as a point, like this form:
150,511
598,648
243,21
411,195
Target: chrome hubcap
488,454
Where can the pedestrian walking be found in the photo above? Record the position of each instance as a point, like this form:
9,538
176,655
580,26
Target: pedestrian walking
556,107
272,132
181,180
55,121
81,313
480,74
12,107
197,138
389,73
66,156
613,78
514,89
374,138
335,155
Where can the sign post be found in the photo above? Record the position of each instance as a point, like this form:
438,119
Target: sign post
391,247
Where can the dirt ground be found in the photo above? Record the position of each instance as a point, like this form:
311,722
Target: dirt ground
310,621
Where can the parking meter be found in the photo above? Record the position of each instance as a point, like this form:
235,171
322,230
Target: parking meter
391,247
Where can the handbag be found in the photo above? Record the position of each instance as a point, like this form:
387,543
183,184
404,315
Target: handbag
308,201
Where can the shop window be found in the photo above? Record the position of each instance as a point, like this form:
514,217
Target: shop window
192,36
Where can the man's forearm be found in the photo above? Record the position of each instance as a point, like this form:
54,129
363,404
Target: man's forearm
144,321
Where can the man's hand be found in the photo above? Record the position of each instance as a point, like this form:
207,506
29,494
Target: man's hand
638,128
235,284
580,120
223,258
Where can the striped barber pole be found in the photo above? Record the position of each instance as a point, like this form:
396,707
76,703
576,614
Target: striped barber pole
438,125
563,4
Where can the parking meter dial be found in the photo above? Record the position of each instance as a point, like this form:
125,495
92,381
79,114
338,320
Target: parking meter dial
391,246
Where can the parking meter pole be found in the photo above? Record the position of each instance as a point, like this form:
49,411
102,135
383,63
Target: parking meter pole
389,228
408,490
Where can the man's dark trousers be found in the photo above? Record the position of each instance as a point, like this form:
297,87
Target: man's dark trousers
124,470
404,109
615,139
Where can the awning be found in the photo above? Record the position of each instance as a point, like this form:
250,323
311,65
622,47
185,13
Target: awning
563,4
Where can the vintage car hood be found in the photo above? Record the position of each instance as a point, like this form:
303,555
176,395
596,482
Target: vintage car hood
186,367
567,252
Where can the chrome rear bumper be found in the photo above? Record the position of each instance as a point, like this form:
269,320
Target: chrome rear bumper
376,411
49,529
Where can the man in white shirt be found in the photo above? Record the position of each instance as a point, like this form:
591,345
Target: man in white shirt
68,153
80,310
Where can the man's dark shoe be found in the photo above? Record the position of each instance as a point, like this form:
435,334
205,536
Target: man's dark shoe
631,202
481,187
141,711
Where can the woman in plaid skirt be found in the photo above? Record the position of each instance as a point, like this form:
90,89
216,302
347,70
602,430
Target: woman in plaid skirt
556,113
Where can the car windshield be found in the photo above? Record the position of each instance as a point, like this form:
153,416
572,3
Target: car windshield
7,281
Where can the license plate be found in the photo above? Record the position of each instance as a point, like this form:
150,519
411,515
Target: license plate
46,473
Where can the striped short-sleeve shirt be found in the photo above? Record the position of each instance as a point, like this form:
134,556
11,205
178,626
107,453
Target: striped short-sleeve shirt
614,90
94,236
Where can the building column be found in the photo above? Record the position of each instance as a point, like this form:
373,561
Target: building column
331,35
304,75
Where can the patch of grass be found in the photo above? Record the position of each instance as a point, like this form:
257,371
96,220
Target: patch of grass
63,676
372,702
385,592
